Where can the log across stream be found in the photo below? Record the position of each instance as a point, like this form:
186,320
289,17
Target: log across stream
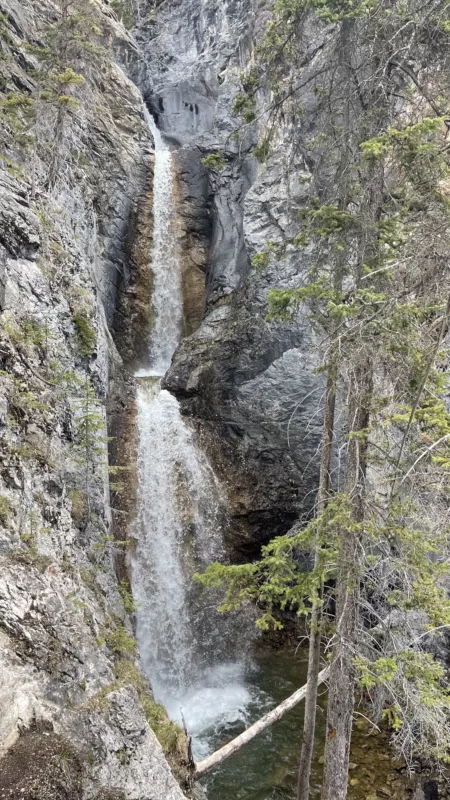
266,767
273,716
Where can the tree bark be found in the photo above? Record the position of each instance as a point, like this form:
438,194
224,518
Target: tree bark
341,697
57,139
309,725
341,694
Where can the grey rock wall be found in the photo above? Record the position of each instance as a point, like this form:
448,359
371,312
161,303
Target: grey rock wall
67,674
249,380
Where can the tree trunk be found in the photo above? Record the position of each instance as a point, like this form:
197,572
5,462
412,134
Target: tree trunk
309,725
58,134
58,137
341,697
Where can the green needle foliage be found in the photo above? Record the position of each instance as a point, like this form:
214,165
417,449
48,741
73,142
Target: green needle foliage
214,161
374,234
70,49
281,579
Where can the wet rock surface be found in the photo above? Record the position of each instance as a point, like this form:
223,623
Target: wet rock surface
193,230
252,380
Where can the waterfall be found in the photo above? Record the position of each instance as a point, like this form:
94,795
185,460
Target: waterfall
167,299
185,645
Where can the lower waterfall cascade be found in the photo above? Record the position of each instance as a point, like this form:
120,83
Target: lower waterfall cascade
183,644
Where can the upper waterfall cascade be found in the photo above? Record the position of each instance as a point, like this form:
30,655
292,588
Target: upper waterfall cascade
167,299
190,653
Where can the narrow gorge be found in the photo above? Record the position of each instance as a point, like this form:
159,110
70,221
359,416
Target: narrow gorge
224,237
184,644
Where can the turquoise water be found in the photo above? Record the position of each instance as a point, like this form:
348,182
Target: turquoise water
266,768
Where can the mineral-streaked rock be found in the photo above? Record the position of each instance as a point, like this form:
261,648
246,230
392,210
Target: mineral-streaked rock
251,380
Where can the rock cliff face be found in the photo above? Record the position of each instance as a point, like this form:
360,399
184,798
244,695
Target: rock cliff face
247,381
71,699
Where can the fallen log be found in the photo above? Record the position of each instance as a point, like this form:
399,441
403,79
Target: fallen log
268,719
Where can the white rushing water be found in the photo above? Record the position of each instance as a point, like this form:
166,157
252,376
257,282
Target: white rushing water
183,642
167,298
189,652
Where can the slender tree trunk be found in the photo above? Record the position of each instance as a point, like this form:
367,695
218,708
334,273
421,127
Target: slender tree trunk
309,725
341,693
341,696
58,133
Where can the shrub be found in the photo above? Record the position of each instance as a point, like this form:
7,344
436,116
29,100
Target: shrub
127,597
5,508
121,642
87,337
214,161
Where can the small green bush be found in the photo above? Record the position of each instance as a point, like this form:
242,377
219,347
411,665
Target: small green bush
87,337
261,261
5,508
27,331
127,597
121,642
214,161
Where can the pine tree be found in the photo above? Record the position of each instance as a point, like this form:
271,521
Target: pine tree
384,207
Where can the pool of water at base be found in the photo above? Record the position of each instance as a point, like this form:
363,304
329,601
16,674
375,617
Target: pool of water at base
266,768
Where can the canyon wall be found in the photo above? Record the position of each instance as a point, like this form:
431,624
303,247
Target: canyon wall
74,708
248,382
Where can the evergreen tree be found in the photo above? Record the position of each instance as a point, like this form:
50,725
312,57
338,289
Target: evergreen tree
375,230
70,51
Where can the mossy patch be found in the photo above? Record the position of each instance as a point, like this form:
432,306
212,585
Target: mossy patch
79,509
169,735
5,508
225,300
